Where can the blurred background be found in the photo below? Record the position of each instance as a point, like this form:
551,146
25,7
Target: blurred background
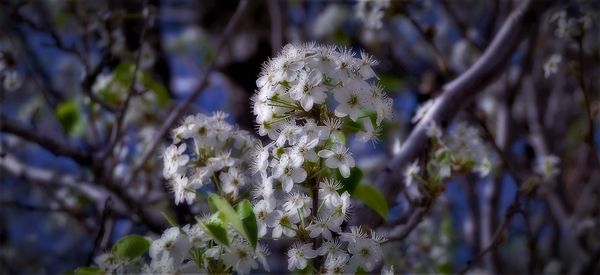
86,86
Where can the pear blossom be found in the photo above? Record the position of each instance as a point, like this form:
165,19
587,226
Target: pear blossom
365,254
299,254
240,257
308,91
551,65
181,187
338,157
283,223
547,166
174,158
319,227
411,173
289,172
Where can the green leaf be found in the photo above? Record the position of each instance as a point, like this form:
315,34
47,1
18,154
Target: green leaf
246,214
70,116
444,268
391,82
372,198
170,219
216,228
232,217
156,87
350,183
88,271
130,247
124,73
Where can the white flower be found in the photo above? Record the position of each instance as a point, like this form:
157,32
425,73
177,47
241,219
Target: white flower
261,254
12,81
264,189
388,271
147,56
298,203
174,158
339,211
351,99
411,172
299,254
262,210
197,235
183,190
240,257
423,110
319,227
332,248
283,223
305,148
355,234
551,65
308,91
371,12
289,172
335,265
260,158
370,133
172,244
365,253
338,157
312,131
220,161
433,130
328,190
231,181
547,166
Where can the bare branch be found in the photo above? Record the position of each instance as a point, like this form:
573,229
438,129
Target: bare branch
461,91
14,127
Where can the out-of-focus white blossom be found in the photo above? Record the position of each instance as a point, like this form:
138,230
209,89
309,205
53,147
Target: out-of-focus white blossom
547,166
551,65
371,12
12,81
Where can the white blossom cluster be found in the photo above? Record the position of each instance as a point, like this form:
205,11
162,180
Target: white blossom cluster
461,150
189,250
305,96
302,80
371,12
207,149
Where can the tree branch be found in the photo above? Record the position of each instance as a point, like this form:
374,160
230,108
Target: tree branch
14,127
462,90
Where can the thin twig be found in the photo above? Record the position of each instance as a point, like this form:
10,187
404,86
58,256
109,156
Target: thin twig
587,102
105,214
14,127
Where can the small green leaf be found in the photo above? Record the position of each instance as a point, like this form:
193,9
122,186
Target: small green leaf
234,218
221,204
444,268
130,247
246,214
372,198
349,184
169,219
88,271
216,228
157,88
391,82
70,116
